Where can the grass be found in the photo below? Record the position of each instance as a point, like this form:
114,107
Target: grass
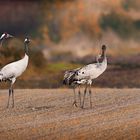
59,66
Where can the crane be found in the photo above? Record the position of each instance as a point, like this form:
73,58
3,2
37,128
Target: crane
86,74
13,70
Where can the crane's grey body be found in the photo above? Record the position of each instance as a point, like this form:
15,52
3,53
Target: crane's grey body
90,72
14,70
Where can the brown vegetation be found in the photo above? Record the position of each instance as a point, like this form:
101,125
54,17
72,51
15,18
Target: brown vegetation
68,34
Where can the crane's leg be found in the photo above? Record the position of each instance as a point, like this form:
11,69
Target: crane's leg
9,97
90,96
85,91
13,97
74,103
12,91
79,93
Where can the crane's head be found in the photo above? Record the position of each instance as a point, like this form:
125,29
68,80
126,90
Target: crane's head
27,40
5,36
103,47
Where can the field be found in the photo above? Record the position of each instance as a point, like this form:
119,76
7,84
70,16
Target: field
49,114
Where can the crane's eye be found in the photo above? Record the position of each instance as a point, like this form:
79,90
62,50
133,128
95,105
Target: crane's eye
82,72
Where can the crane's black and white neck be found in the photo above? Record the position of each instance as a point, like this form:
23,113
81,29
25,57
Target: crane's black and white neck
26,49
102,58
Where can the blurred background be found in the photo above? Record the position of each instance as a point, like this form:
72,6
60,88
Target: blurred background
68,34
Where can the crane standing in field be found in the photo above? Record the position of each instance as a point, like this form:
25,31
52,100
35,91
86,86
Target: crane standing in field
4,36
13,70
85,75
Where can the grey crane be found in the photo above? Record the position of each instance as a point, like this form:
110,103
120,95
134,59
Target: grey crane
13,70
86,74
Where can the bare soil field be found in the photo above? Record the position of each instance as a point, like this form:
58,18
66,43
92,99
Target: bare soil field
46,114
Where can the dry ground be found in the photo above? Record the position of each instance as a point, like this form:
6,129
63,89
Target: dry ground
48,114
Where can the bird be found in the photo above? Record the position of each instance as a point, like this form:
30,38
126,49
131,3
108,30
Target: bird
67,80
4,36
11,71
86,74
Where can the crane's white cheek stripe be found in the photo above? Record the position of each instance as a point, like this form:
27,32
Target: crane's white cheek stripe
25,39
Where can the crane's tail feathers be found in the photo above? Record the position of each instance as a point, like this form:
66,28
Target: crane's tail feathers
64,82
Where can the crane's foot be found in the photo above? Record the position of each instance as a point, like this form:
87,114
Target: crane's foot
90,105
82,106
80,103
7,106
74,104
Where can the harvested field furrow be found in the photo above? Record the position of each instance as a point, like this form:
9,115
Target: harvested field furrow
49,114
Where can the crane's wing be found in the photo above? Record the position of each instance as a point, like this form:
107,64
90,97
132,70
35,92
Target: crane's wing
7,71
68,76
87,72
15,69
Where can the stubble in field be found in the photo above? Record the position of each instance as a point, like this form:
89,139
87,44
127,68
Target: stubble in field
48,114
